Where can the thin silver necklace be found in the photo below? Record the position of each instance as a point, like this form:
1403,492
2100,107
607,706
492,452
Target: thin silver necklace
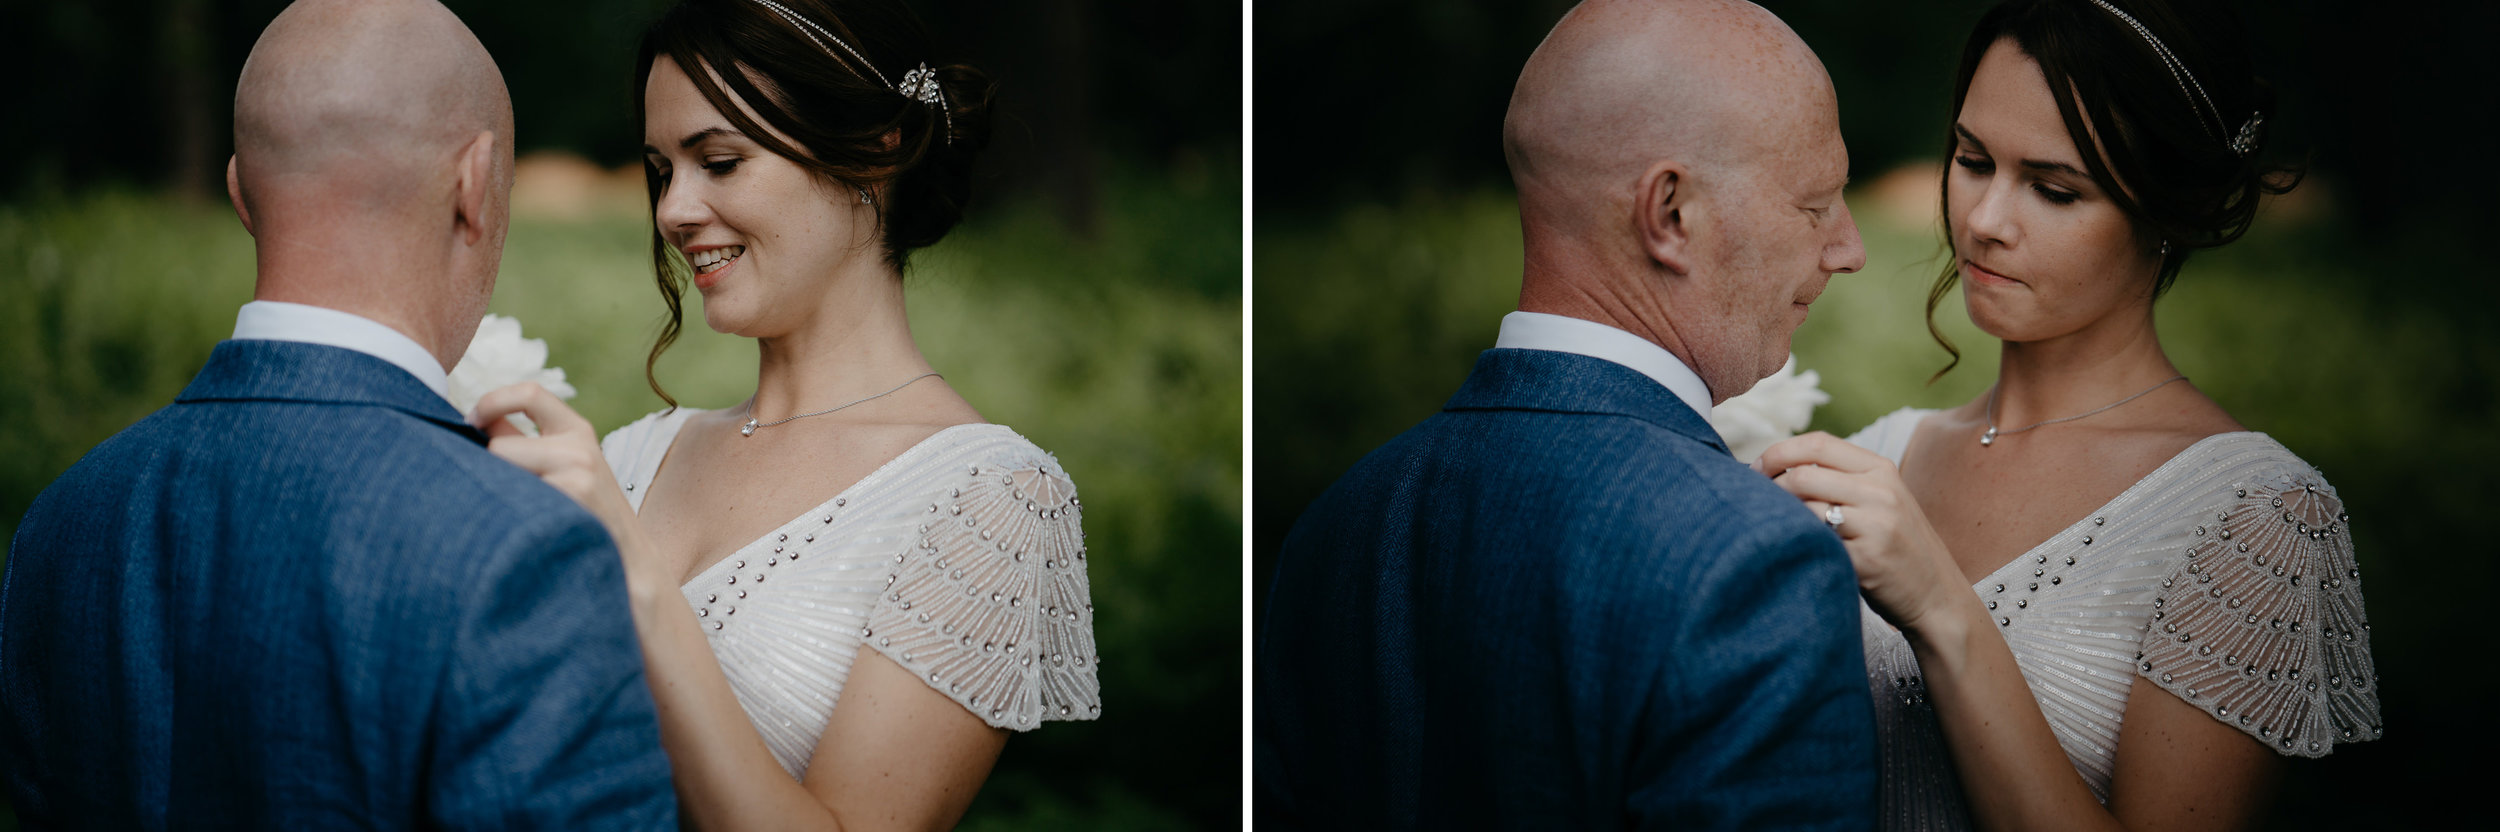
750,427
1990,437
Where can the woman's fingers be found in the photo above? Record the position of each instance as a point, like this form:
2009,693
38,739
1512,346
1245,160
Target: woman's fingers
1817,448
1817,484
536,455
529,399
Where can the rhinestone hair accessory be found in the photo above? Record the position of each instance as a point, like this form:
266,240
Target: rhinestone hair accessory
2242,144
918,85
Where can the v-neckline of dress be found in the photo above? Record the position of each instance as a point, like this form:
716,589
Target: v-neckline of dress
796,522
2101,511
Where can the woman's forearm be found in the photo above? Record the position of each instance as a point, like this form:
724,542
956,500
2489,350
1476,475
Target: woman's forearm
2013,772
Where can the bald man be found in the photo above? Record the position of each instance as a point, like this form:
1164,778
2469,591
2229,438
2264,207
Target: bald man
305,596
1560,602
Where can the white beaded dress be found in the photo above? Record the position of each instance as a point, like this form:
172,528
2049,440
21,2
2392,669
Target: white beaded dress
2225,576
962,559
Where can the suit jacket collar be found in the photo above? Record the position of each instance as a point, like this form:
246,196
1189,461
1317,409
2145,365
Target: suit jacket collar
1561,382
290,371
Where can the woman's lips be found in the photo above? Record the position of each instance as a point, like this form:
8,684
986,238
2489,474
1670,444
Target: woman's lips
1984,277
704,281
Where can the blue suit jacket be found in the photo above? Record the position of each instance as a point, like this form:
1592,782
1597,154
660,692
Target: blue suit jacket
304,596
1560,603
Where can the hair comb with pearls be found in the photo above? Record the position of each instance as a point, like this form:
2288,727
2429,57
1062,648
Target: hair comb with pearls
920,84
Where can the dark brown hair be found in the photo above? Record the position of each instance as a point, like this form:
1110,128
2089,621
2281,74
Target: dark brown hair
847,125
2185,184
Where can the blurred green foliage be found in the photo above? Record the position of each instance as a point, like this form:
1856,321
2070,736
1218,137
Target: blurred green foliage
1121,354
1370,317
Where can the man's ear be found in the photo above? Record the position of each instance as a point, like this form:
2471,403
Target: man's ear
471,195
1662,201
234,194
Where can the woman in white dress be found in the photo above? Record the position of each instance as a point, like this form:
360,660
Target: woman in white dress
2095,601
849,588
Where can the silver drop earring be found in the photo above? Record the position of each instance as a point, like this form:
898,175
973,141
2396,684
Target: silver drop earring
866,198
2165,245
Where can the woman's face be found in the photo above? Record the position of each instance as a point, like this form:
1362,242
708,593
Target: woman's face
769,241
2043,251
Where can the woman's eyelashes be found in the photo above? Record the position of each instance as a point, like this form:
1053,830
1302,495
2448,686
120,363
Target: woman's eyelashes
722,166
1982,166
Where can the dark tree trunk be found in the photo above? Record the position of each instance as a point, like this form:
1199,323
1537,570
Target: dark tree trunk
186,62
1068,143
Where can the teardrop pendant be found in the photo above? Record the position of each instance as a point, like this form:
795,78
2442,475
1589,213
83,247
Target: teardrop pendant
747,429
1989,438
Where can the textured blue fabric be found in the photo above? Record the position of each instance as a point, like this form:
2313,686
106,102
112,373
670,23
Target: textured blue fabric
304,596
1560,604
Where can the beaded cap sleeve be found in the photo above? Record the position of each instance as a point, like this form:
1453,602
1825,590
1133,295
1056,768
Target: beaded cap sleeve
989,603
2261,623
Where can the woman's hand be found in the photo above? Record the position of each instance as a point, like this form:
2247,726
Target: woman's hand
565,454
1903,568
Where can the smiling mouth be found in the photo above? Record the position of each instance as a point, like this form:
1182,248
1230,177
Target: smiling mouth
712,260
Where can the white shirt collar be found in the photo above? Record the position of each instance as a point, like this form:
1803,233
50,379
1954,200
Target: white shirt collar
1558,333
269,320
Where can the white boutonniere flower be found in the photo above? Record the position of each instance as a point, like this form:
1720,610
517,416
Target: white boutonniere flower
1776,408
499,357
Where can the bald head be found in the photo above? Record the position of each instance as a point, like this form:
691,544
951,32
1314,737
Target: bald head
369,96
1620,84
373,163
1680,169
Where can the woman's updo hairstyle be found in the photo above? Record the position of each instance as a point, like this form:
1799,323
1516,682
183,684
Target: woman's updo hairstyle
848,126
2171,134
